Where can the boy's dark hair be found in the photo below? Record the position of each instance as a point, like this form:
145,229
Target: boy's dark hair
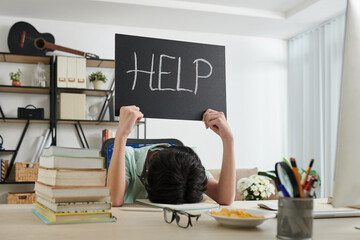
175,176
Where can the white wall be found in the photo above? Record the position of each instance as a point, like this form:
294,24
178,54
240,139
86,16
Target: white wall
256,73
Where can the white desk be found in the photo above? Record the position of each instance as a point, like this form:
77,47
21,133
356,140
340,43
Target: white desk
18,222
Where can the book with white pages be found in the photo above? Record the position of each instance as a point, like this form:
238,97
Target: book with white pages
87,206
55,161
72,177
68,151
72,193
205,205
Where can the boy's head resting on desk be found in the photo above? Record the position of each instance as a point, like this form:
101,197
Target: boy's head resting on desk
174,175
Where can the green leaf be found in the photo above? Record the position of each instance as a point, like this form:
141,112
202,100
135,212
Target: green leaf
288,163
267,174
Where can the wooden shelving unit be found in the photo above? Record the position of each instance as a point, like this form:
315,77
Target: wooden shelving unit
24,89
22,59
53,92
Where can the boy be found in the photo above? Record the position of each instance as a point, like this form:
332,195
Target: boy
169,174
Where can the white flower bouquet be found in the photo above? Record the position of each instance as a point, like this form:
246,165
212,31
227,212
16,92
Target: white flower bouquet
255,188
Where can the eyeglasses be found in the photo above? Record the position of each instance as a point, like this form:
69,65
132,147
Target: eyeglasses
183,219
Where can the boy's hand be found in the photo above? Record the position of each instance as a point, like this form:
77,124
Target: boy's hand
216,121
129,115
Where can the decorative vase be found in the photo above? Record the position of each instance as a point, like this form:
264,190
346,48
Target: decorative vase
16,83
99,85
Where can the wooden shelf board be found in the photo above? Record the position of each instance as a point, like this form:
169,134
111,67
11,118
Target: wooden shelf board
89,92
24,89
87,122
13,58
16,120
17,182
100,63
7,151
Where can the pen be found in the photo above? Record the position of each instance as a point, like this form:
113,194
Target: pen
307,187
307,172
314,183
283,190
297,177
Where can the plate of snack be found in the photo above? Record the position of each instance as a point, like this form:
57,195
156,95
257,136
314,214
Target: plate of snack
245,218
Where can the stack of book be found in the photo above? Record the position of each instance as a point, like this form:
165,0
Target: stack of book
71,187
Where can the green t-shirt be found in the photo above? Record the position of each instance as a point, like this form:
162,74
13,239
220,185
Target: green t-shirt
134,164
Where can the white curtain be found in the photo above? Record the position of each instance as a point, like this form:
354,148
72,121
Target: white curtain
315,64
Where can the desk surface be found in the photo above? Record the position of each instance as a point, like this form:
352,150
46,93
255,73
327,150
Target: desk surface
18,222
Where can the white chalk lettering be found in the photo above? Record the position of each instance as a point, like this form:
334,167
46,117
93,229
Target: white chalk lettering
162,72
197,72
178,88
151,72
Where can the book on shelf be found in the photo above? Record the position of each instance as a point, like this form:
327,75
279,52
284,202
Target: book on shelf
61,216
72,193
72,177
106,134
49,221
4,164
54,161
73,206
204,205
72,152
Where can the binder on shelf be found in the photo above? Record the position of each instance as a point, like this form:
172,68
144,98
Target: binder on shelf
61,66
80,72
71,72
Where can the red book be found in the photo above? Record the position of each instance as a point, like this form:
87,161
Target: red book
105,135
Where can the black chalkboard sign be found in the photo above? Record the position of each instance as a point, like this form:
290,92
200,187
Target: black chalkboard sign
169,79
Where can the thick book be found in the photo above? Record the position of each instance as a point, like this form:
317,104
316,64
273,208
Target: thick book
181,207
49,221
72,152
75,198
72,193
72,177
58,216
73,206
55,161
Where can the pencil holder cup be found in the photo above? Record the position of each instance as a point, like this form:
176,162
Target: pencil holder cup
295,218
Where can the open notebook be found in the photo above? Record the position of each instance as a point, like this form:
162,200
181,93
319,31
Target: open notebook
181,207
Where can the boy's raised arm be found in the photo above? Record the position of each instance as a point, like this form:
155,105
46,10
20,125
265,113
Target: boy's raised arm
129,115
222,191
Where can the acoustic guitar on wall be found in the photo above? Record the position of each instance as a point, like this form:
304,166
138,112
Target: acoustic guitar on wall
24,39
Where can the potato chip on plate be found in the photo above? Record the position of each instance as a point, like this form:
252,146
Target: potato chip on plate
246,218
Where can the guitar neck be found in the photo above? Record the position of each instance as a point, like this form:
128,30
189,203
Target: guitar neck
52,46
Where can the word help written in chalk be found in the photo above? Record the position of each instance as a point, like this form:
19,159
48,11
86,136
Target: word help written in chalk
161,72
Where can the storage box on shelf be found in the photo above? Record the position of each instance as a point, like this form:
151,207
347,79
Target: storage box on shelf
26,171
21,197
